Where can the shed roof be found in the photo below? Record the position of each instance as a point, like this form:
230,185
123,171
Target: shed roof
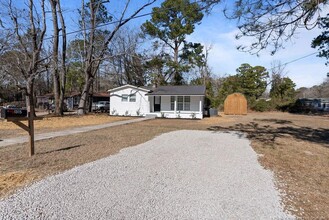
178,90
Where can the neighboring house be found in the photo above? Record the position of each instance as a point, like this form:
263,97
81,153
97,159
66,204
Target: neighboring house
319,104
74,98
71,100
161,101
44,101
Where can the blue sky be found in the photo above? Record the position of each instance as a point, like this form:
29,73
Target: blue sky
224,59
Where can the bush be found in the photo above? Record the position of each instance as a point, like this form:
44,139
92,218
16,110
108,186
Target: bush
261,106
298,107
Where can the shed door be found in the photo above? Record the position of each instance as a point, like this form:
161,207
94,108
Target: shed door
157,103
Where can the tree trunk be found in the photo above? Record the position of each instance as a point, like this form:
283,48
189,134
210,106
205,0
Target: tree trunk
55,70
177,75
63,69
30,98
85,95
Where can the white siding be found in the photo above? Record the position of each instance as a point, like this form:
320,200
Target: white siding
117,107
165,103
144,104
195,103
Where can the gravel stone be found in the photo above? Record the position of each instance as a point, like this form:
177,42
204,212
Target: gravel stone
177,175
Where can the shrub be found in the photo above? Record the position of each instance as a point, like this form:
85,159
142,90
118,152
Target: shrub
298,107
261,106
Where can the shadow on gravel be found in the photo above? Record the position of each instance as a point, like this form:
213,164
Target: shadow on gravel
267,134
61,149
276,121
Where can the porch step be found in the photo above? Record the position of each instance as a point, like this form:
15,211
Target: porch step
150,116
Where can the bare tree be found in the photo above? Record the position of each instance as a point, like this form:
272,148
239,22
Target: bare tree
54,69
93,59
29,32
127,62
28,27
59,73
272,23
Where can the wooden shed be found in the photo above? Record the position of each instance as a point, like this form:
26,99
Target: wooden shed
235,104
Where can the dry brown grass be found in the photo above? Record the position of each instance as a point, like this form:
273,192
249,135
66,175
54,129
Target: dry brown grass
53,123
294,147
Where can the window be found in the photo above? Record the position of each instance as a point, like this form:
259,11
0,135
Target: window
132,98
183,103
124,98
187,101
180,103
172,103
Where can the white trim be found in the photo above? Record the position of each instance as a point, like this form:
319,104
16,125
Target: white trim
182,114
127,86
175,105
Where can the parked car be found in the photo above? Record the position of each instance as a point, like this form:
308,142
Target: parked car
101,106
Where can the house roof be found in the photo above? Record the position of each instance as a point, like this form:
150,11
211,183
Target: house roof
314,99
177,90
101,94
48,95
143,88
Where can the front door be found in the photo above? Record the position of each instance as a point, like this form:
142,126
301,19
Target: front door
157,103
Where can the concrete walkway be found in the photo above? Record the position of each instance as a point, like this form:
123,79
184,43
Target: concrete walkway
43,136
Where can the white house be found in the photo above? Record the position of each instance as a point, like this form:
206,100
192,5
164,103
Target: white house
161,101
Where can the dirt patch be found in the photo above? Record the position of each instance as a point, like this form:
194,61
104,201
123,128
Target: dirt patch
12,180
295,147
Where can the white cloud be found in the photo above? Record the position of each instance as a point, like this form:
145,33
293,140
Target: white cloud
224,58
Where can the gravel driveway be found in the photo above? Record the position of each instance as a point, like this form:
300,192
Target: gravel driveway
178,175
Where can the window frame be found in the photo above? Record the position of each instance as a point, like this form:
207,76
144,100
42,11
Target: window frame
185,103
132,95
180,103
124,98
172,103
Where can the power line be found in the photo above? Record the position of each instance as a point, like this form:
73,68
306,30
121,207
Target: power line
289,62
150,13
294,60
113,22
102,25
300,58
